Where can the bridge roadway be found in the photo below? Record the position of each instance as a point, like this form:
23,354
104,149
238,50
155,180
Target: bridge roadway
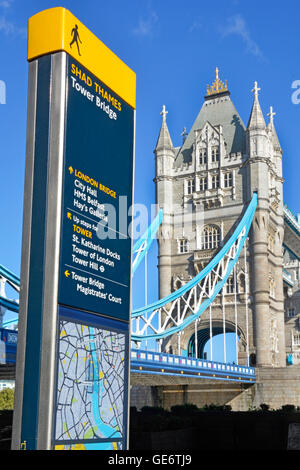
162,364
154,363
165,380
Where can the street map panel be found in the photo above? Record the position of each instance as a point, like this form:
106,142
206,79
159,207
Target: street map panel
89,408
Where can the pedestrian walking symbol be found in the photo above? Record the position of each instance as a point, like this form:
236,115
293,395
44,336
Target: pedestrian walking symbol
76,38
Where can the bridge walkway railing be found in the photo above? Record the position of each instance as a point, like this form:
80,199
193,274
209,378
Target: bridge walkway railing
149,362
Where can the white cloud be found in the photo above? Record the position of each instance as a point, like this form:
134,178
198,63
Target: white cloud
8,27
6,3
146,26
237,25
197,24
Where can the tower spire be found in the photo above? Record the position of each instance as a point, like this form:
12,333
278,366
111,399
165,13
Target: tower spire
271,128
164,113
271,115
256,90
256,120
164,140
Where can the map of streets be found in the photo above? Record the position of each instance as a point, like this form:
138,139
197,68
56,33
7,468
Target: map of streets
89,409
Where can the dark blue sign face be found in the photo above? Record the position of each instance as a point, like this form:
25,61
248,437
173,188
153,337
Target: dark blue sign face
95,271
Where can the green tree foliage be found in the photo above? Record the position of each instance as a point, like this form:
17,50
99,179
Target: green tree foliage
7,399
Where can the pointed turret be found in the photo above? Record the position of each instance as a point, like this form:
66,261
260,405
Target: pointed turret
256,120
164,140
272,130
257,138
164,158
276,147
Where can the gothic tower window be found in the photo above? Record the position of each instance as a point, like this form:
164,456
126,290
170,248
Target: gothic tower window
202,156
228,180
203,184
296,339
210,237
215,181
242,283
183,246
230,285
191,186
215,154
291,312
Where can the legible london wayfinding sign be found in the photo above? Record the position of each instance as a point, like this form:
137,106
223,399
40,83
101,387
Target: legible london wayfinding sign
95,271
73,354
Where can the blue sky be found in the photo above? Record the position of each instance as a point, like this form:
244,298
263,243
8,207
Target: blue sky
174,48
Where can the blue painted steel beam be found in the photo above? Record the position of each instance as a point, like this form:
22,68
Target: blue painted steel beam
216,377
8,323
4,272
9,304
147,239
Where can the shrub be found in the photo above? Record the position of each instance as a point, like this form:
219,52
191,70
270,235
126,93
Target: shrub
264,407
153,410
288,408
184,410
253,408
7,399
213,407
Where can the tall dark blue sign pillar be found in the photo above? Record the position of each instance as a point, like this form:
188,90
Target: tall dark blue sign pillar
72,384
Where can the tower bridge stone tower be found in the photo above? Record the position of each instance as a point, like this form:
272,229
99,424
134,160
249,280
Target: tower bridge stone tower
211,178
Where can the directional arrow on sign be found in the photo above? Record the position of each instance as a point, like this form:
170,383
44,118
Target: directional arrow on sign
69,215
67,274
71,170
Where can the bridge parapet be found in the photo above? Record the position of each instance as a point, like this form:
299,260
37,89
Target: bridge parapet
149,362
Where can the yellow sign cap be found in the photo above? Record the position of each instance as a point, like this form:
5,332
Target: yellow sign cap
57,30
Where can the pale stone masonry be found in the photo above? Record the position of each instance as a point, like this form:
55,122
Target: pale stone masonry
292,308
212,177
275,386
